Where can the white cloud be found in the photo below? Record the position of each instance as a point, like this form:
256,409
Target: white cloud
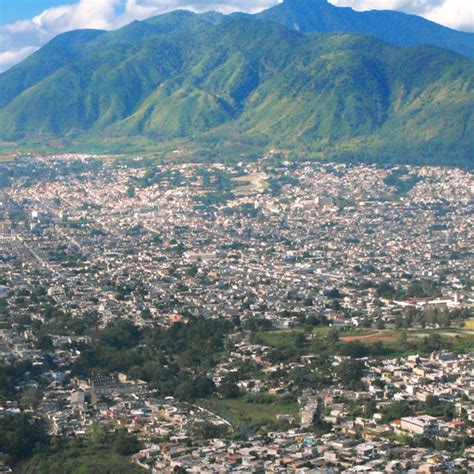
140,9
7,58
458,14
34,33
19,39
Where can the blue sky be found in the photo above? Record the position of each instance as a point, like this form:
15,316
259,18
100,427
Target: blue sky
26,25
13,10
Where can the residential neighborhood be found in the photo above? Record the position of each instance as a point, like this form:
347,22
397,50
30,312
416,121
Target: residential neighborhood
273,316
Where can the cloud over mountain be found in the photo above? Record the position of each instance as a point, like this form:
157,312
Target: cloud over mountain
457,14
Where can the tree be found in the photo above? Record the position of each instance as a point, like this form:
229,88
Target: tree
126,443
206,430
334,294
204,387
370,407
399,322
8,376
186,391
397,410
44,343
333,336
255,324
385,290
180,470
350,371
19,435
380,324
31,398
97,434
229,390
433,342
300,339
354,349
367,323
431,401
408,320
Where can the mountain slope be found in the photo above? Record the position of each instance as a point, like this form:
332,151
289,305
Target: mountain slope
393,27
62,50
209,81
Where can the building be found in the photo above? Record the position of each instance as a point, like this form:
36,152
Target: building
422,425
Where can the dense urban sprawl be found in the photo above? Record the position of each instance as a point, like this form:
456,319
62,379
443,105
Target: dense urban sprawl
265,317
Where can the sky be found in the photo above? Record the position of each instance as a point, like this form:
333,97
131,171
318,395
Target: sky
26,25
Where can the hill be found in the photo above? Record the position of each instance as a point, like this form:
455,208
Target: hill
213,83
393,27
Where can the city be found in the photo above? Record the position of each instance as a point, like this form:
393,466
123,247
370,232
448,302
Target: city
273,316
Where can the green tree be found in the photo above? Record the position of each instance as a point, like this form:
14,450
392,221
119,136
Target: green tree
19,435
186,391
397,410
350,371
206,430
31,398
380,324
204,387
126,443
228,390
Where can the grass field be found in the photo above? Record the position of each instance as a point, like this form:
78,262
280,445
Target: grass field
250,417
395,343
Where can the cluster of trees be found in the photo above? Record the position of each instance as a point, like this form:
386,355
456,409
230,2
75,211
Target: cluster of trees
219,184
431,317
308,378
425,345
21,436
215,179
277,182
174,360
155,175
416,289
432,406
350,373
402,181
11,375
246,209
206,430
24,438
214,198
40,171
101,451
396,410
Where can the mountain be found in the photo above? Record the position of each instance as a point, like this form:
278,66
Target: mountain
393,27
219,84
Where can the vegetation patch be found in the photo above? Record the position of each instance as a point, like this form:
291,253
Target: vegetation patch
257,413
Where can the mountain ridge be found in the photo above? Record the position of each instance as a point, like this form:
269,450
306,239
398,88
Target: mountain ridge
231,82
394,27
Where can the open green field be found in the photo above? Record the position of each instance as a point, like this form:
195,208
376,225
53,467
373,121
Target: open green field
248,416
387,343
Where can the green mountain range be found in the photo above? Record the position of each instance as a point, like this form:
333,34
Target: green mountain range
213,85
393,27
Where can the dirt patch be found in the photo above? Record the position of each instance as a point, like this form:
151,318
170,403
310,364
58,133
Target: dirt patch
250,184
369,338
